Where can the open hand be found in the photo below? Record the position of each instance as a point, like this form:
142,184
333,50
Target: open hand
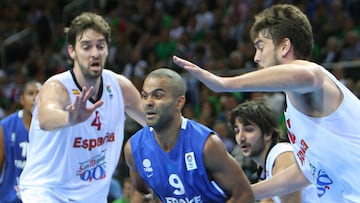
78,111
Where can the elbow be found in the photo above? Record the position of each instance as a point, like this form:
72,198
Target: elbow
311,79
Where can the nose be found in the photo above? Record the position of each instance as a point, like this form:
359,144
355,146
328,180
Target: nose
239,137
256,57
95,52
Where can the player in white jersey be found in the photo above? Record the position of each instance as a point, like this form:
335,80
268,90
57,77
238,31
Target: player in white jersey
77,130
283,39
257,134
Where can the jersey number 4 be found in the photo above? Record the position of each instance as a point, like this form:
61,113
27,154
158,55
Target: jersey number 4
96,122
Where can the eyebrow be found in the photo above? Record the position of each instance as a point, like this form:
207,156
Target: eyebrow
155,90
90,41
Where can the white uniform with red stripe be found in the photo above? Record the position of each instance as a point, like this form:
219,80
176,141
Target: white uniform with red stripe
328,148
76,164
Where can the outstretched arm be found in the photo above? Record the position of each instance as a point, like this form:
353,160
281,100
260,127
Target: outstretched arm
280,185
226,172
299,76
55,110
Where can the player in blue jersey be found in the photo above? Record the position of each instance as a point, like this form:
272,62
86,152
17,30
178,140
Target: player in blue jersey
179,159
13,141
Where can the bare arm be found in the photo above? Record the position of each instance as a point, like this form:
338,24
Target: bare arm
132,100
2,149
280,184
55,110
226,172
299,76
282,162
140,186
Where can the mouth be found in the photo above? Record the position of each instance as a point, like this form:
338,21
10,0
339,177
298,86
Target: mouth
95,65
244,147
150,115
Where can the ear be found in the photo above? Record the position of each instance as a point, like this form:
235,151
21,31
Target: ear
181,102
285,46
268,136
71,51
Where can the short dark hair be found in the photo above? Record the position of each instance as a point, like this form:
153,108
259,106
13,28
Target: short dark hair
285,21
85,21
256,111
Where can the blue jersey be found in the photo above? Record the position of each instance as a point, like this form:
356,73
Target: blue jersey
15,140
180,174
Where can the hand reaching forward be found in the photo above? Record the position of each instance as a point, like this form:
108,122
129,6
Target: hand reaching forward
212,81
78,111
187,65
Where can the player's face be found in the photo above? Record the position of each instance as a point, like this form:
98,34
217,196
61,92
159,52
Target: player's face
266,54
90,53
160,106
249,138
27,99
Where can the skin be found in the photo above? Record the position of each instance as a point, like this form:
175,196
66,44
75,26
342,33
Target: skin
27,100
89,55
309,89
255,144
163,113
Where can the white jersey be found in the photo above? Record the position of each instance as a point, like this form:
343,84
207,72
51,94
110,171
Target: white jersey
77,163
328,148
309,194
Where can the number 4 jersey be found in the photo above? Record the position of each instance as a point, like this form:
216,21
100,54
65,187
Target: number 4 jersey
178,175
77,163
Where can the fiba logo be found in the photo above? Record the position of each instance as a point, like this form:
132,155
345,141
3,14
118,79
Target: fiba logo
147,167
190,161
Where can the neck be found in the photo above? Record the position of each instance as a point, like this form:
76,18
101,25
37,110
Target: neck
167,137
27,119
261,159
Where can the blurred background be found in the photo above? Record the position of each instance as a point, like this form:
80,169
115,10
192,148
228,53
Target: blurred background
147,33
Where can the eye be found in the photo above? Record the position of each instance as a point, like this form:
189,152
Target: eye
158,95
144,95
236,130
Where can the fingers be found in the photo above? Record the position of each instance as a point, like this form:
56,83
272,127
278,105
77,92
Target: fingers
184,63
86,93
178,61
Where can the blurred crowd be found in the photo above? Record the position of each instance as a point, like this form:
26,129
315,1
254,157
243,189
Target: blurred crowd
147,33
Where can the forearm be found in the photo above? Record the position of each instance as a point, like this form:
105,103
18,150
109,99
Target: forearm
280,185
51,119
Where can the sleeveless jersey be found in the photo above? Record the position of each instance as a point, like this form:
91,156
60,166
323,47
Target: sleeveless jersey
309,193
77,162
328,148
15,141
180,174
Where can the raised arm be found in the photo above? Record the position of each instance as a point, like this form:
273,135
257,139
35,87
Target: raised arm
132,100
226,172
55,110
280,185
298,76
140,186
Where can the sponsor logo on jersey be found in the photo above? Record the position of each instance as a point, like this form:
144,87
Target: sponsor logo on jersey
93,169
323,181
147,167
109,91
190,161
